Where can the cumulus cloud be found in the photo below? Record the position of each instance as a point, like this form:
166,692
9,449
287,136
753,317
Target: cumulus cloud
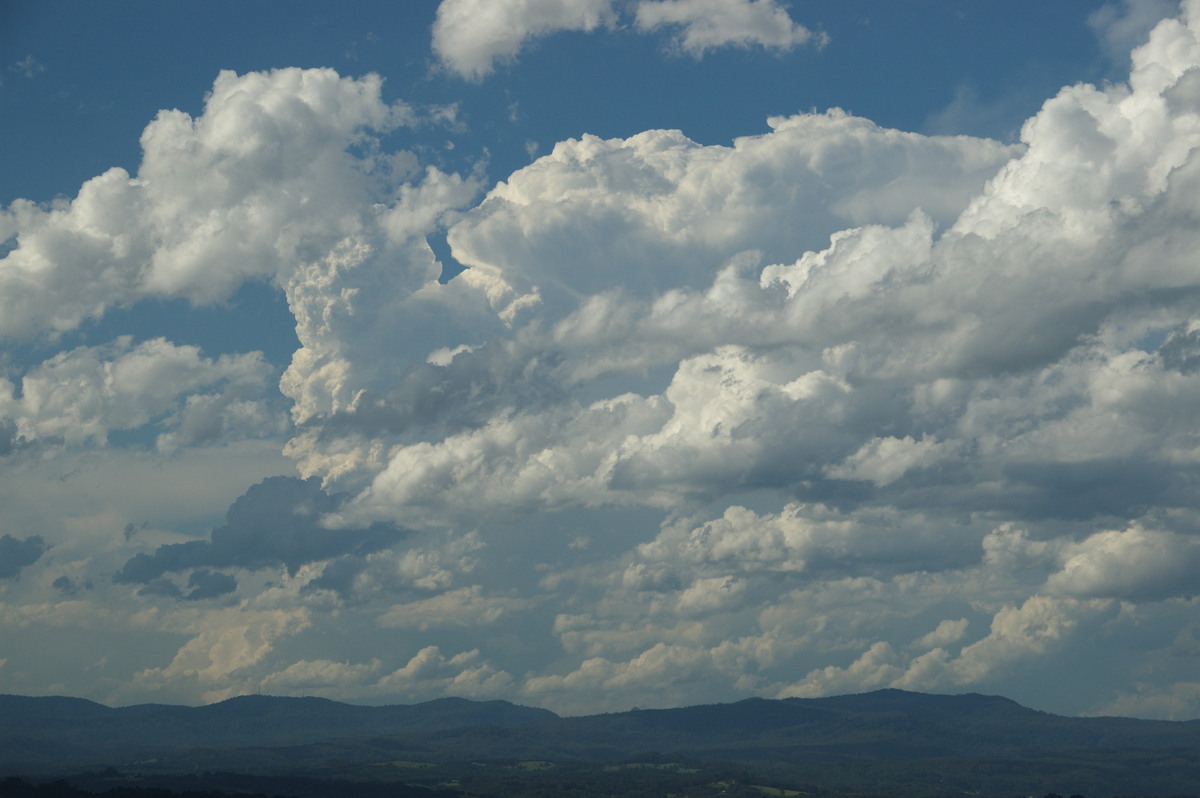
876,668
943,360
835,407
1041,626
276,524
655,676
811,310
431,672
709,24
548,317
258,184
466,606
469,36
428,563
1135,564
426,675
83,394
947,632
223,643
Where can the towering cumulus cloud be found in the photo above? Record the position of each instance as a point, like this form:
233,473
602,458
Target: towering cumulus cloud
949,362
833,407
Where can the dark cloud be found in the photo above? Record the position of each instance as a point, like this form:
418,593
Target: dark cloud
70,587
15,554
9,439
209,584
161,587
1087,489
276,523
338,575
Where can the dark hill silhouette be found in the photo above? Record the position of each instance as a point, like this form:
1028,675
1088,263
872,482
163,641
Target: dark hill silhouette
886,732
56,732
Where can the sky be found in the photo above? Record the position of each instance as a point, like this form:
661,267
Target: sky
592,354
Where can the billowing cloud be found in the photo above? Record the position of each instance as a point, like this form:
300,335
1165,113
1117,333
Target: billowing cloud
253,188
224,643
1136,564
830,408
82,395
650,340
548,317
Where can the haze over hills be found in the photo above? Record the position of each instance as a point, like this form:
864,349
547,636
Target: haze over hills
907,735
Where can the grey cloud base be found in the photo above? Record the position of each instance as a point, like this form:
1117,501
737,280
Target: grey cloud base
276,524
17,553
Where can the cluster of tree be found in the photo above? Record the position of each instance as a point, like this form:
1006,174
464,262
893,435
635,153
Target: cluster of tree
15,787
111,783
655,777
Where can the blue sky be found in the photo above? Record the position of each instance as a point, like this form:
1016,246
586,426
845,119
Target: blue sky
99,73
600,353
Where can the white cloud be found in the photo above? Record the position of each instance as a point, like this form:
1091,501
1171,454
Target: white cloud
259,182
885,460
469,36
466,606
1041,625
83,394
223,643
1178,701
431,674
947,632
666,215
874,669
1136,564
911,411
710,24
655,677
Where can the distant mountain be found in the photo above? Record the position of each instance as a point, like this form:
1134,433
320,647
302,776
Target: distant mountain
865,742
63,733
886,725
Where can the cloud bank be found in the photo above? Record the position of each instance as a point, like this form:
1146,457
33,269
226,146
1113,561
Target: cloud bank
831,408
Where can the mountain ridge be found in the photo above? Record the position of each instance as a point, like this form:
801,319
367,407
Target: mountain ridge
868,737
